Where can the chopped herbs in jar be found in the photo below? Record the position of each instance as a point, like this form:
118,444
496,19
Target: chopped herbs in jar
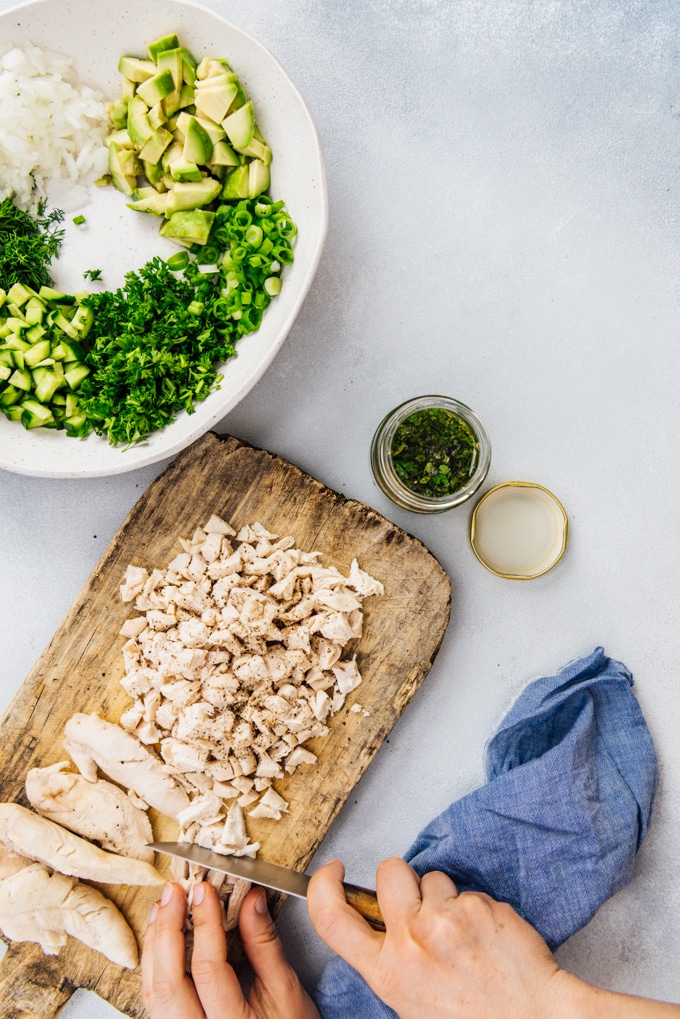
434,452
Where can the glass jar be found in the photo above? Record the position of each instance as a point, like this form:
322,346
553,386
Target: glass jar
383,466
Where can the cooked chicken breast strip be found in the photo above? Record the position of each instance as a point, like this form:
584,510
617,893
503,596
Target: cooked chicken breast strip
93,742
37,906
28,834
96,810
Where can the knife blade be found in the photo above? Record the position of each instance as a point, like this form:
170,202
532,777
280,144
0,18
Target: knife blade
270,875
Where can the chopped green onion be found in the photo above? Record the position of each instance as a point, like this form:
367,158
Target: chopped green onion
178,261
78,220
272,286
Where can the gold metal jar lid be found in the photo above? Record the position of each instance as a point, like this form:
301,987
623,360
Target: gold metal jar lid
518,530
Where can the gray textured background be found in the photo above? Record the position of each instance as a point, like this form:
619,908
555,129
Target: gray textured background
504,189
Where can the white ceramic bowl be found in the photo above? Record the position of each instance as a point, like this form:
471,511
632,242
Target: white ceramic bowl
114,239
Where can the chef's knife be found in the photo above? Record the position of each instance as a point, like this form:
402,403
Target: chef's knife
269,875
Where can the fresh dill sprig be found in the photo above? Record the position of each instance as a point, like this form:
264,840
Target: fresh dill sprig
27,245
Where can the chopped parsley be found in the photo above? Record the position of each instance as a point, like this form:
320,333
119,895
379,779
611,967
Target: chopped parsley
434,452
92,274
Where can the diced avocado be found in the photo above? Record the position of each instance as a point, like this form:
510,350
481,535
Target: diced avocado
259,151
236,184
223,155
123,181
216,82
198,147
121,138
213,103
187,96
189,66
128,90
144,192
157,116
185,172
209,67
215,132
138,125
129,162
155,204
191,227
136,69
171,103
172,153
240,126
166,42
118,114
239,100
156,145
191,195
156,88
171,60
154,174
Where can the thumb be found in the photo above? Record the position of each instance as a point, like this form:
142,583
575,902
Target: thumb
340,926
261,942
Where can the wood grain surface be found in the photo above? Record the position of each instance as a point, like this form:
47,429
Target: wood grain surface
81,668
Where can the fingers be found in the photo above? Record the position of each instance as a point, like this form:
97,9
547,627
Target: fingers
261,942
437,887
217,984
398,888
338,924
168,991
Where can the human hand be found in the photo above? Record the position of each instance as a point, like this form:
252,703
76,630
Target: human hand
213,990
443,955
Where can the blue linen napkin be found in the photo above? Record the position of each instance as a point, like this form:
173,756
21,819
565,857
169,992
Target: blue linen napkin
572,775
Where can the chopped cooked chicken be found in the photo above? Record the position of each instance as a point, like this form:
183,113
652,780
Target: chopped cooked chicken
234,660
96,810
42,907
29,834
92,742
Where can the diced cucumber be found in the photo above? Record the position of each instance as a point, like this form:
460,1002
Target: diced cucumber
37,353
11,395
21,379
47,382
76,374
36,414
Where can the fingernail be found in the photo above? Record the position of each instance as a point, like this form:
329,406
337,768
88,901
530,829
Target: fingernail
261,905
198,894
153,913
167,895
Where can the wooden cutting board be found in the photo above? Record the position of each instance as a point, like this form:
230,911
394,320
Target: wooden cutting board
81,668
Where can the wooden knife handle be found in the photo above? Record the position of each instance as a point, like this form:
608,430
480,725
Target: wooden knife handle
365,903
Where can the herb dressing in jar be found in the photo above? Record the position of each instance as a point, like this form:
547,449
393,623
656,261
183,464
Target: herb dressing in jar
430,454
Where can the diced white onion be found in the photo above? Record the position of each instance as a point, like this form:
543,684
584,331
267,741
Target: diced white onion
53,126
